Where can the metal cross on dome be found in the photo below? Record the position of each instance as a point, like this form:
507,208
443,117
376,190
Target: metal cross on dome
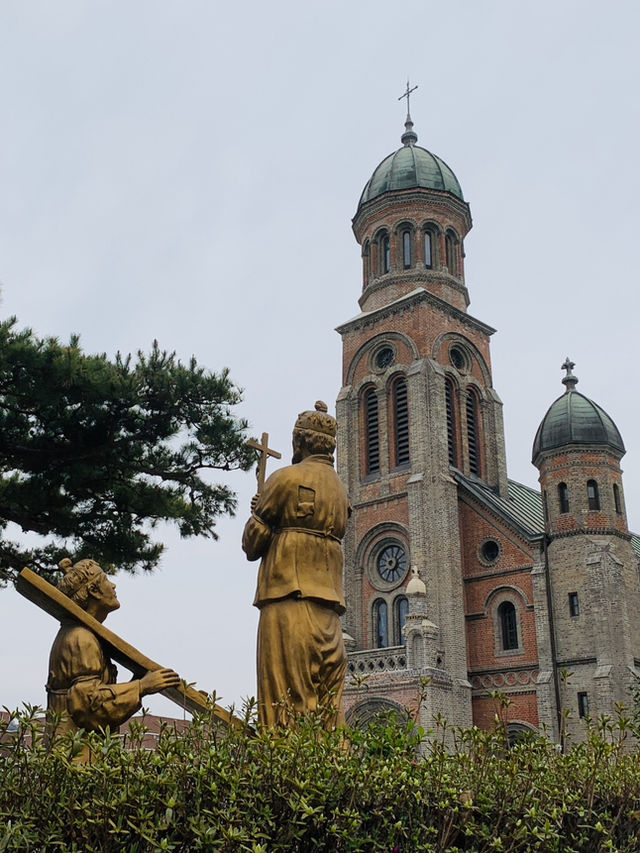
407,94
570,380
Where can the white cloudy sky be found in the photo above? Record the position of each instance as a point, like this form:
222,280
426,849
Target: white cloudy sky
187,171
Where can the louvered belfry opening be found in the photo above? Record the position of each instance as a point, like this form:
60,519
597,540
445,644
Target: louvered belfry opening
372,431
401,420
473,439
451,423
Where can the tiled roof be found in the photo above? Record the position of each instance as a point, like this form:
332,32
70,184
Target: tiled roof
522,506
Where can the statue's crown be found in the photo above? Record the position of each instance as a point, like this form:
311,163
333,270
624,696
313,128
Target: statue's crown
318,420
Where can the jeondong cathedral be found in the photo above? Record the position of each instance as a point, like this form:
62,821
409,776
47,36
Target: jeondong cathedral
453,572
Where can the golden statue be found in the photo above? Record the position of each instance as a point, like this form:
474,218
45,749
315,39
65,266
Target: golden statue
82,679
297,524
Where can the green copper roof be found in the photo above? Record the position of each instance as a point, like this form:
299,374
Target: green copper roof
409,167
574,419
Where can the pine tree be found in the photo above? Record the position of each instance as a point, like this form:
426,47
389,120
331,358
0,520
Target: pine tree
93,452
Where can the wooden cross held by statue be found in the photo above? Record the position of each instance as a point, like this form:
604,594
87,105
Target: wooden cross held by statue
264,450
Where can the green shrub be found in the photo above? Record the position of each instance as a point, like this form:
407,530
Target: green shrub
384,789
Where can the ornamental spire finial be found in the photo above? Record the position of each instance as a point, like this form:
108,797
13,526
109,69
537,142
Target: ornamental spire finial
569,381
409,137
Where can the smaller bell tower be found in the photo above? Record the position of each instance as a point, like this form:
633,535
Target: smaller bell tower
591,567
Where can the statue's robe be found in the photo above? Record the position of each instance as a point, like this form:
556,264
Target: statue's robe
296,528
82,686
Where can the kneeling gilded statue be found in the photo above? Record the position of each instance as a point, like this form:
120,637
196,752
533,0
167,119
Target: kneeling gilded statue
82,688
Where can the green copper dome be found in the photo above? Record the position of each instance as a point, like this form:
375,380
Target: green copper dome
410,166
573,419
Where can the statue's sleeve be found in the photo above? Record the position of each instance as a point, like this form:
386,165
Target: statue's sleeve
92,701
258,531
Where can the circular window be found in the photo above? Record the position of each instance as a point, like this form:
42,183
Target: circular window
489,551
384,358
392,562
458,358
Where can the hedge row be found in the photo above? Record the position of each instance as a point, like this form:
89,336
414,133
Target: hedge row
384,789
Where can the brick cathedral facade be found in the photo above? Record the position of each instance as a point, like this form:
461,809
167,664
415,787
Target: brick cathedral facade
453,572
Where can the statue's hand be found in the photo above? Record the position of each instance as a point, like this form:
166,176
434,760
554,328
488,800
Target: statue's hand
156,682
254,502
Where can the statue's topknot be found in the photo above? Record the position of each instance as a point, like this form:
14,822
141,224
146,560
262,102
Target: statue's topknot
318,420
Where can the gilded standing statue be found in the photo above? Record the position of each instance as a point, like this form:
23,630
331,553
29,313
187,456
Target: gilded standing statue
296,528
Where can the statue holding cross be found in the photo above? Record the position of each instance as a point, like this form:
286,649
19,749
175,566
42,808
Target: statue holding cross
82,692
297,523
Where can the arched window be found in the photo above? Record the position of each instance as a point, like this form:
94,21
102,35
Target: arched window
401,421
400,610
508,625
593,496
380,624
385,254
473,432
406,248
616,499
451,248
371,431
452,441
563,497
366,260
429,249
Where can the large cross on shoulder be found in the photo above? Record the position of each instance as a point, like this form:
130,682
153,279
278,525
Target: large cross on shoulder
60,606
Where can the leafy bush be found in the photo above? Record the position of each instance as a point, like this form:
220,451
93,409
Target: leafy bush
384,789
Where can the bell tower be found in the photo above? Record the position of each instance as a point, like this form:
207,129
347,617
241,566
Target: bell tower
417,407
591,566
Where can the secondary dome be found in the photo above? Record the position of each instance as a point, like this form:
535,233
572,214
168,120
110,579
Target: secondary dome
574,419
408,167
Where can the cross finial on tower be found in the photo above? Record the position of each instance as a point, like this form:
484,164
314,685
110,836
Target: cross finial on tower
570,381
407,94
409,137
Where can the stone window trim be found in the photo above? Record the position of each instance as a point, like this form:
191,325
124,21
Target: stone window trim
399,422
517,729
564,504
380,614
499,596
405,246
370,430
574,605
392,601
593,496
377,353
440,354
434,231
361,715
460,358
366,351
453,253
381,253
472,411
485,560
372,543
583,704
617,499
366,262
400,609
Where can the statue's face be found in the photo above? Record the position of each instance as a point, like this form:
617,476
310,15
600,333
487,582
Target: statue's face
107,593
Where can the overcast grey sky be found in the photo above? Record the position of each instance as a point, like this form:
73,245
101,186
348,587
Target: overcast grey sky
187,171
